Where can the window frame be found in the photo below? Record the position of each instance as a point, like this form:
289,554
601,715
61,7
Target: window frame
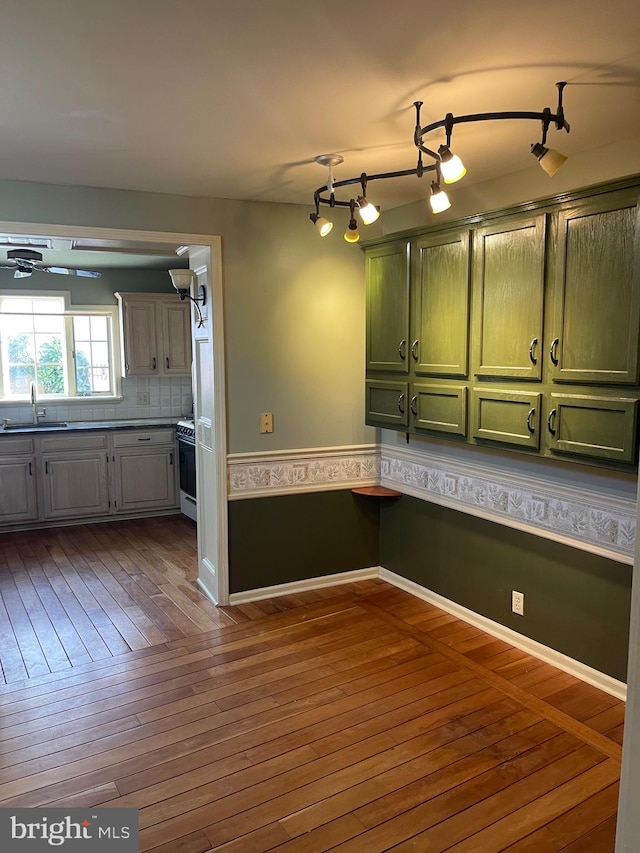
71,310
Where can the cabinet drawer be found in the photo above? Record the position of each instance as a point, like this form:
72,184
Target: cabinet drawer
143,438
387,403
508,417
72,441
603,427
16,446
439,408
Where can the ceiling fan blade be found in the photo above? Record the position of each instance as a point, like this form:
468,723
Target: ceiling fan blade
69,271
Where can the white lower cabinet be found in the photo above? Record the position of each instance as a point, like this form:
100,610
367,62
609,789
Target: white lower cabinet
89,474
17,482
144,470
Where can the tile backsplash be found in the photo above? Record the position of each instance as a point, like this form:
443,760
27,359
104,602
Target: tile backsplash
169,396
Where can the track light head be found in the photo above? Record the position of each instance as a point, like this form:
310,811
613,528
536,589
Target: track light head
451,165
550,160
368,211
351,235
323,225
438,199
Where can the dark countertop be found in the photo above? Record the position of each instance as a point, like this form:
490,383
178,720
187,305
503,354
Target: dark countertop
83,426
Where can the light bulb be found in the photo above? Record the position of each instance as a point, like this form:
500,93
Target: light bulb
438,199
351,235
451,165
550,160
368,212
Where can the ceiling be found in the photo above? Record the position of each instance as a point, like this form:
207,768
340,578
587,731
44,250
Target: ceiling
235,98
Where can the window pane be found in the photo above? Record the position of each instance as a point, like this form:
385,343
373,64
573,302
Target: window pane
82,328
99,328
93,371
50,364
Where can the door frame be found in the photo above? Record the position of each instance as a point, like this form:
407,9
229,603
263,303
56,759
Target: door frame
213,566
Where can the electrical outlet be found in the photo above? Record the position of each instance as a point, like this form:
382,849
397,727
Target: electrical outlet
517,602
266,422
142,398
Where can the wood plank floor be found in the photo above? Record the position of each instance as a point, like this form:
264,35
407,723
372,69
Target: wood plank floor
354,718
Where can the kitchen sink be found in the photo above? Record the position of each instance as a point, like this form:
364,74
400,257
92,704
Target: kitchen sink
41,425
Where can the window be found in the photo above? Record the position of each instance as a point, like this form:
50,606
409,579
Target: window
67,351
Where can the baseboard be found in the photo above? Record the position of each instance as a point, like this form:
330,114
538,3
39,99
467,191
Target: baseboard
535,649
303,585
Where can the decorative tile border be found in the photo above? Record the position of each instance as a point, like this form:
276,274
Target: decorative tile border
583,519
253,475
586,520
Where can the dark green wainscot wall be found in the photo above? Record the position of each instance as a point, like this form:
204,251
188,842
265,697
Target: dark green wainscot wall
287,538
575,602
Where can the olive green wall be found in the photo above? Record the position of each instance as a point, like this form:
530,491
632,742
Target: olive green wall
293,537
575,602
294,304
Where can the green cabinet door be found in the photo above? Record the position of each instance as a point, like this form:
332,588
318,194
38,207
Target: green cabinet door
586,425
387,284
594,329
440,281
508,294
506,417
387,404
438,408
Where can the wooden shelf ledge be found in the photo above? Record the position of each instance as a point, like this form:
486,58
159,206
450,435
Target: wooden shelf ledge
376,492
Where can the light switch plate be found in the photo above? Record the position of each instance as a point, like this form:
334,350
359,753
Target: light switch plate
266,422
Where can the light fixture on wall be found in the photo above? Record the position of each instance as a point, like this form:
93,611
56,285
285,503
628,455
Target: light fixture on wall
447,165
182,280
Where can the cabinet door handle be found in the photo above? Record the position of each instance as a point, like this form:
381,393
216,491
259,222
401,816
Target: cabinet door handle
532,348
530,417
550,421
401,404
170,457
167,362
402,349
412,404
30,470
553,351
414,350
153,363
148,438
46,467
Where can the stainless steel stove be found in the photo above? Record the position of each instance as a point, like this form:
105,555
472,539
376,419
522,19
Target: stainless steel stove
186,435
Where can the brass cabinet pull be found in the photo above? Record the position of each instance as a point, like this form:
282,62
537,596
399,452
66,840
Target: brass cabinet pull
401,404
530,416
412,404
532,347
402,349
414,350
553,351
550,419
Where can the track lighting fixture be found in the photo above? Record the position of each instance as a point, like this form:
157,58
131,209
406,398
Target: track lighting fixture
447,165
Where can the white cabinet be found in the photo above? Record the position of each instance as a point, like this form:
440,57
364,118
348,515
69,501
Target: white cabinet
88,474
144,470
17,481
156,334
73,469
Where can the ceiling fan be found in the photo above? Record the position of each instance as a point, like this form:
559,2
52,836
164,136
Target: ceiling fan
25,261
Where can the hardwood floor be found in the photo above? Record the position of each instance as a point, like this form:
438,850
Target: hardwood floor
353,718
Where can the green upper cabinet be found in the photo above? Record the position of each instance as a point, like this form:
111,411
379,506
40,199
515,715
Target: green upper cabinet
387,281
596,306
508,297
440,328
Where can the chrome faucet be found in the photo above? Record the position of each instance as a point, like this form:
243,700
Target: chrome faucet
37,413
